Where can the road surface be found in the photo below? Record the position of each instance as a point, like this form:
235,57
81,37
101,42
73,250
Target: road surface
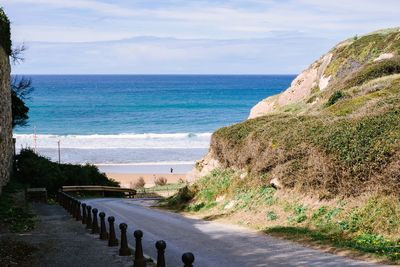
213,244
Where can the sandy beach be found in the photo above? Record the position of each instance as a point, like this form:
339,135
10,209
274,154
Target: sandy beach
128,179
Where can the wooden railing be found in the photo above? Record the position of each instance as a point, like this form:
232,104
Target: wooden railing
99,188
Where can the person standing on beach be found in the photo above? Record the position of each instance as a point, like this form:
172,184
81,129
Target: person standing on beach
172,170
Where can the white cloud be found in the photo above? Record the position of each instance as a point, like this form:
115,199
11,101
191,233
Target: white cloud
172,56
97,6
208,19
62,34
232,32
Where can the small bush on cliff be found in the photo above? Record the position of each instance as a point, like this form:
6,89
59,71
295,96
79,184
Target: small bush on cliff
38,171
181,199
335,97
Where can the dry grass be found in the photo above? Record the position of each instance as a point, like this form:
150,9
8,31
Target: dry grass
160,181
138,183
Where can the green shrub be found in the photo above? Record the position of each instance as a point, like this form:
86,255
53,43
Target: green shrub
335,97
299,214
380,214
267,195
181,198
5,32
38,171
214,184
319,213
271,216
196,207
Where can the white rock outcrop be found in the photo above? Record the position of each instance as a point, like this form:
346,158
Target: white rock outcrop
203,167
300,88
384,56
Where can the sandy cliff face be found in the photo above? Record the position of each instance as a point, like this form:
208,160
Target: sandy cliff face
301,87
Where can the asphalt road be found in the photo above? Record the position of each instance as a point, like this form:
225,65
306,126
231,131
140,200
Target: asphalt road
213,244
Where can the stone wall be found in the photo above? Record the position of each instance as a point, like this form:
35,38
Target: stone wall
6,141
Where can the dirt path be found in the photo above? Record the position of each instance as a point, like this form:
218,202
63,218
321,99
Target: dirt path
214,244
61,241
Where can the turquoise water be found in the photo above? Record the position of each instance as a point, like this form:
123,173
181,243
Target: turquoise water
138,119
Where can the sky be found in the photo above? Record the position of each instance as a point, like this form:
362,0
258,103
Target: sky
187,37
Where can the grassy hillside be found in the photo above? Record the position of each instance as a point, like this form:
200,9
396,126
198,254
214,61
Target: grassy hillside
333,158
344,140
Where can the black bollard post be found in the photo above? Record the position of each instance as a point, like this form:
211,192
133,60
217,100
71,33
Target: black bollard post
72,207
103,230
160,246
89,217
95,224
83,213
65,202
78,211
62,199
124,250
69,205
139,261
188,259
112,239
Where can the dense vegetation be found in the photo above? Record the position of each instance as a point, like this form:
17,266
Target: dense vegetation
38,171
332,156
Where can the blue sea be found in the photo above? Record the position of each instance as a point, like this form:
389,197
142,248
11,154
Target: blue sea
137,120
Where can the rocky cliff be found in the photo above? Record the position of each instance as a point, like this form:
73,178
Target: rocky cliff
6,141
335,131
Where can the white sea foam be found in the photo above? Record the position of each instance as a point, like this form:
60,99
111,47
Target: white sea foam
118,141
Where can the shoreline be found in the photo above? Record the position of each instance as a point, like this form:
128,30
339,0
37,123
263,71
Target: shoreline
127,180
153,168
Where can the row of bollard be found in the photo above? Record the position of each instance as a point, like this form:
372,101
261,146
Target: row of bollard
89,217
